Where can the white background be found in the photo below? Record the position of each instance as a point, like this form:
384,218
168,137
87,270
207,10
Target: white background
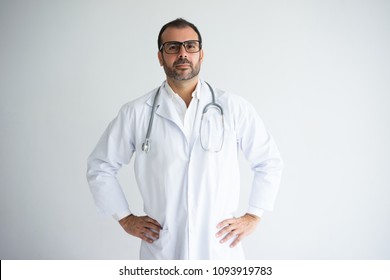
316,71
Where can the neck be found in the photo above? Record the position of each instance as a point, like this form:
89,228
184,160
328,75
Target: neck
184,88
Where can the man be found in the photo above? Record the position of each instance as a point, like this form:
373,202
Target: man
186,163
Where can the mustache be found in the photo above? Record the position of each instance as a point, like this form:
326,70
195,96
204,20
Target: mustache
182,61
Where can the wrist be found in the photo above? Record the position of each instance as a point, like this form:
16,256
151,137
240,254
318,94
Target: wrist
253,216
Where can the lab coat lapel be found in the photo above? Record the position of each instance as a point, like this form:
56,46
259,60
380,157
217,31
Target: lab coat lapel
165,108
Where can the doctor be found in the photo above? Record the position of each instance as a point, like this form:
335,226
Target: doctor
186,160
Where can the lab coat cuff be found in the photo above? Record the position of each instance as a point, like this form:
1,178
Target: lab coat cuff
256,211
121,215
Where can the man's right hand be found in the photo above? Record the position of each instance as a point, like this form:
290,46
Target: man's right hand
142,227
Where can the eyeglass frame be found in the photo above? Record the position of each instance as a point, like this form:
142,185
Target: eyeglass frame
181,44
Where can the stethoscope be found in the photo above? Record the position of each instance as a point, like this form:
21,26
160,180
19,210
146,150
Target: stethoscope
212,104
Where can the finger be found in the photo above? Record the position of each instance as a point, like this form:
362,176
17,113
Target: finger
228,236
225,230
152,221
236,241
150,233
145,238
152,226
226,223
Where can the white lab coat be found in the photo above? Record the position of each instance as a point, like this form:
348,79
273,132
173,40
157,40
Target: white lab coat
186,189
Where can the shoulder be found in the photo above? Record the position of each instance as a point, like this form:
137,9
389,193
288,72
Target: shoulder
236,108
232,100
139,103
224,96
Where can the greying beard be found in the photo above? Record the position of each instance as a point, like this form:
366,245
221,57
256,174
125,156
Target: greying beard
181,77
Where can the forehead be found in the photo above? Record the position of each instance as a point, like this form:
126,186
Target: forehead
179,34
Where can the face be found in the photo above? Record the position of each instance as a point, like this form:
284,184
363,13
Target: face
183,65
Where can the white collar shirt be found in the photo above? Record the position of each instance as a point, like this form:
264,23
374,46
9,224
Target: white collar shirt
187,115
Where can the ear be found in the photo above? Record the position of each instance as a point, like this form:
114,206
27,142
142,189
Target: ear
201,55
160,58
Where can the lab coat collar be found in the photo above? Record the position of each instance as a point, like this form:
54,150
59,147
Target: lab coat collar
164,106
196,94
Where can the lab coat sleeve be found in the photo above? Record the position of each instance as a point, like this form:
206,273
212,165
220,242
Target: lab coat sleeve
115,148
260,149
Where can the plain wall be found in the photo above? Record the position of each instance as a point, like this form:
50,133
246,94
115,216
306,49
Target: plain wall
316,71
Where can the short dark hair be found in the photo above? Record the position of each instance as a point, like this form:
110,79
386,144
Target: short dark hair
178,23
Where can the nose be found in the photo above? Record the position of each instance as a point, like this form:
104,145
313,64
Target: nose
182,51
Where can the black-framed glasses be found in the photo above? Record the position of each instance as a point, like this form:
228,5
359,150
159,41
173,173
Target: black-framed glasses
173,47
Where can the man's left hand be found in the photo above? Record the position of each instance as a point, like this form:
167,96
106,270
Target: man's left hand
237,228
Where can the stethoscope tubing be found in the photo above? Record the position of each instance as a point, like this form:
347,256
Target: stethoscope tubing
146,144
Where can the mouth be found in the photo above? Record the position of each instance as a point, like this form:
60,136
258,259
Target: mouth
183,66
182,63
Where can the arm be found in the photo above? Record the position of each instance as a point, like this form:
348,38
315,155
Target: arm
114,149
259,148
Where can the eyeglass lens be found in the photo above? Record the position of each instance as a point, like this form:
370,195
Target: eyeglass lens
174,47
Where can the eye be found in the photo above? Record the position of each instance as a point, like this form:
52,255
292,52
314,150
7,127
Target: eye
171,47
191,45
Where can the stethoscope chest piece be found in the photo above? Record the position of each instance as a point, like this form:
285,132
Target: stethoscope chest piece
146,146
